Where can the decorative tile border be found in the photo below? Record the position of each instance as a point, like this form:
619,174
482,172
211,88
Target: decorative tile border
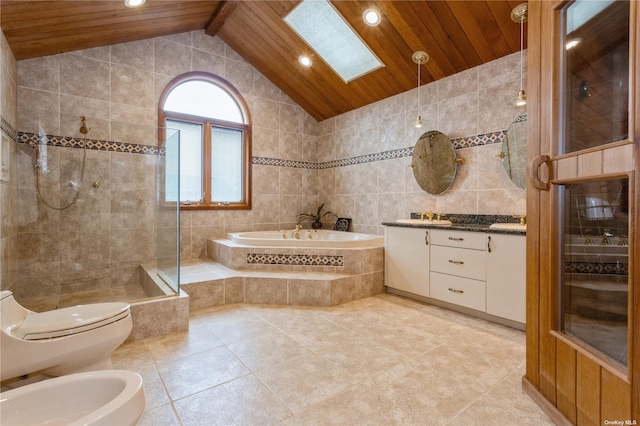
479,140
265,161
294,259
596,268
520,119
367,158
466,142
69,142
8,129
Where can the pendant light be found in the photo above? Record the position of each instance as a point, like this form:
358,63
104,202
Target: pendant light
519,15
420,58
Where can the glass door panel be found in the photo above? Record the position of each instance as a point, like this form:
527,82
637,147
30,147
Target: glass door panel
595,73
595,266
167,218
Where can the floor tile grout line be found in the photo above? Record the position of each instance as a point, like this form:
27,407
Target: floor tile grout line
483,394
333,317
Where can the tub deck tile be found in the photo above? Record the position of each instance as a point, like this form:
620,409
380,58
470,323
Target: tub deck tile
208,283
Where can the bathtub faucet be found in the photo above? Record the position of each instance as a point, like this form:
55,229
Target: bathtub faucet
296,233
284,234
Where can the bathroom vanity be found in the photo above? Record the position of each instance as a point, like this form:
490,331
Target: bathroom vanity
465,267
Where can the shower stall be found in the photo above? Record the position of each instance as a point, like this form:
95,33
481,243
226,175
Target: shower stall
94,224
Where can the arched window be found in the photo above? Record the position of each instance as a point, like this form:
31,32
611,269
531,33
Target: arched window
215,141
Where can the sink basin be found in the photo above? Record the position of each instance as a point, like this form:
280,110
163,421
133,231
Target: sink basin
508,226
97,398
424,222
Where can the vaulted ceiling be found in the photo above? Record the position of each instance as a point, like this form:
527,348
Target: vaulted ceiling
456,34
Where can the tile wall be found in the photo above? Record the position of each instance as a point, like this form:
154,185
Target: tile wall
473,108
98,242
357,162
8,180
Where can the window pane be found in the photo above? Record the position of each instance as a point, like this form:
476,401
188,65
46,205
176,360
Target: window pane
171,165
226,165
190,160
595,266
596,73
204,99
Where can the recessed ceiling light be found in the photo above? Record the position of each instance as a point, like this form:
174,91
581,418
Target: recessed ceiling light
305,61
134,3
371,17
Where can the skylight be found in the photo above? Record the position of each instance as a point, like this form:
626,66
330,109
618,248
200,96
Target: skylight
320,25
581,11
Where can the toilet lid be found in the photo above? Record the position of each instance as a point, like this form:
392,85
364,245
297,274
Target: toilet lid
67,321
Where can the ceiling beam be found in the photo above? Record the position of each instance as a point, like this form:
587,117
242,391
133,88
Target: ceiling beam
224,10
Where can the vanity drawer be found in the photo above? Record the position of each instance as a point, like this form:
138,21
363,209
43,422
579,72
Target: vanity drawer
460,291
461,262
462,239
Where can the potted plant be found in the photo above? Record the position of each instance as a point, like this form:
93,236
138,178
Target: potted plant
315,219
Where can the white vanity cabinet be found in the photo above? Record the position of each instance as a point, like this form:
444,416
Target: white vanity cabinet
458,270
407,259
506,276
479,273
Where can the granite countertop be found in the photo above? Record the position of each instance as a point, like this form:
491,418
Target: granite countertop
461,222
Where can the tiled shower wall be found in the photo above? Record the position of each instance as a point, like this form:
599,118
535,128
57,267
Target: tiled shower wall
298,163
8,183
98,242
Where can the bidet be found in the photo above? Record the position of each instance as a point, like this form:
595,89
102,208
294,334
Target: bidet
97,398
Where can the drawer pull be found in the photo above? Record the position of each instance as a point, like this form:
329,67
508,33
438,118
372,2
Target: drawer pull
426,238
456,239
453,290
456,262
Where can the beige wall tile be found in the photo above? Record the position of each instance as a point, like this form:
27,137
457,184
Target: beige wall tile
170,58
38,111
131,86
205,42
137,54
290,145
40,73
84,76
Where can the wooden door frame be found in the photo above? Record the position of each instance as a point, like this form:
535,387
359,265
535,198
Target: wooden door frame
543,379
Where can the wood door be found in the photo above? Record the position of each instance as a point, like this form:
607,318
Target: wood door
583,145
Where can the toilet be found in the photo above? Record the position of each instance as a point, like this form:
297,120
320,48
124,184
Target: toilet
59,342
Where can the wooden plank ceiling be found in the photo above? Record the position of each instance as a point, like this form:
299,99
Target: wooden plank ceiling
456,34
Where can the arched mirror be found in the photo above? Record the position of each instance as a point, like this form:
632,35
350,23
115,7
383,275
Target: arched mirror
434,162
514,151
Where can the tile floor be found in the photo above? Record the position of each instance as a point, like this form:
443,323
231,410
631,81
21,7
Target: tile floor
382,360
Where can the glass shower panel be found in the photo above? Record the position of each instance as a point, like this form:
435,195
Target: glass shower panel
594,269
168,212
595,73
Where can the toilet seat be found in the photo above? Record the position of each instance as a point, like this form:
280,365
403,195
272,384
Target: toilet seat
67,321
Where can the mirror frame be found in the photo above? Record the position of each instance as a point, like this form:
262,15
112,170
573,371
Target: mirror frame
434,162
514,151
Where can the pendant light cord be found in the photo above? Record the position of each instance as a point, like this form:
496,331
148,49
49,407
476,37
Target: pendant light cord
418,88
521,49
